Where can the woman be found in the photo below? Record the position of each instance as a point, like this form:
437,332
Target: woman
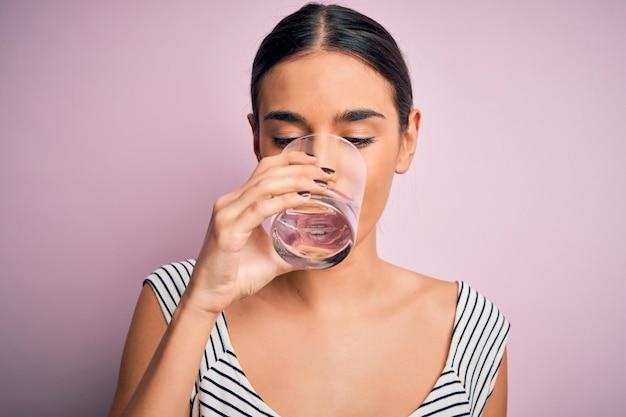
364,338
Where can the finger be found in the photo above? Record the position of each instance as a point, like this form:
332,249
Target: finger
296,178
266,165
231,227
255,214
293,179
282,179
283,159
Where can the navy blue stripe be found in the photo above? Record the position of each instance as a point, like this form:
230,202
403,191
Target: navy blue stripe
158,294
181,285
213,409
224,375
230,405
219,334
162,281
470,340
156,273
206,359
497,365
234,394
213,348
173,281
444,385
462,319
491,375
465,328
477,375
448,372
489,348
447,408
188,267
458,302
230,365
443,397
480,341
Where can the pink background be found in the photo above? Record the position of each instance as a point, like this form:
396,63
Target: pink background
122,121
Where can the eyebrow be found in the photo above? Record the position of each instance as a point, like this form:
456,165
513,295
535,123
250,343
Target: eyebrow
347,116
356,115
284,116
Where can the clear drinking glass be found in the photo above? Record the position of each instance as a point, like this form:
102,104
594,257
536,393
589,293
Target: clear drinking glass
321,232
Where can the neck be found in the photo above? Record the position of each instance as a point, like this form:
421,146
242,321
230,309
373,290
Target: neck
347,287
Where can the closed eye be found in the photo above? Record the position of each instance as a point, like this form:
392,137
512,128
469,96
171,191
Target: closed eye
282,142
358,142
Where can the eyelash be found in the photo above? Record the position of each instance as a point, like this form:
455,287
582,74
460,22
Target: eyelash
358,142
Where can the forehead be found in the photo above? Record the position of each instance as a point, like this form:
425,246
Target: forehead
324,82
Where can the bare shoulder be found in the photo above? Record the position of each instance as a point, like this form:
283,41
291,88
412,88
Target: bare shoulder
438,296
426,286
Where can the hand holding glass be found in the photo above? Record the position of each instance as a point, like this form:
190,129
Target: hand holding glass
321,232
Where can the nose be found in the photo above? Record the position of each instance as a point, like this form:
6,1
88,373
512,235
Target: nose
325,147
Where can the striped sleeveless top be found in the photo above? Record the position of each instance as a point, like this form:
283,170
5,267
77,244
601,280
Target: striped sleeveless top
466,382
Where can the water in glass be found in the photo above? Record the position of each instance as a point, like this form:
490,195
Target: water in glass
316,235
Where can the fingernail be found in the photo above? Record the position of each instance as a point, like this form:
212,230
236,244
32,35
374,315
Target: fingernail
304,193
328,170
321,183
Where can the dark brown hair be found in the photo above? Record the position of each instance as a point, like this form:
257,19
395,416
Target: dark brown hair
335,28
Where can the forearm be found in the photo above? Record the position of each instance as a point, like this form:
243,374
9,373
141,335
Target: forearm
166,386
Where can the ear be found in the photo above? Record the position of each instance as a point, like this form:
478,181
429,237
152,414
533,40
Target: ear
255,137
409,143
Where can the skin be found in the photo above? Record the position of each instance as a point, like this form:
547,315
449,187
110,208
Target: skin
332,342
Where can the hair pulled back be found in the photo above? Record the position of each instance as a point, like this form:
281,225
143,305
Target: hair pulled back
335,28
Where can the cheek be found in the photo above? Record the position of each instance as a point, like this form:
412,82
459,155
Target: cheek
377,191
377,187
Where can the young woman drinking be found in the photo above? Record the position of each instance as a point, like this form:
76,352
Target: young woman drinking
240,332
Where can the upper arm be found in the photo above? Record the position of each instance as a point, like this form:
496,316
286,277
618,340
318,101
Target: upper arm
144,335
497,402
